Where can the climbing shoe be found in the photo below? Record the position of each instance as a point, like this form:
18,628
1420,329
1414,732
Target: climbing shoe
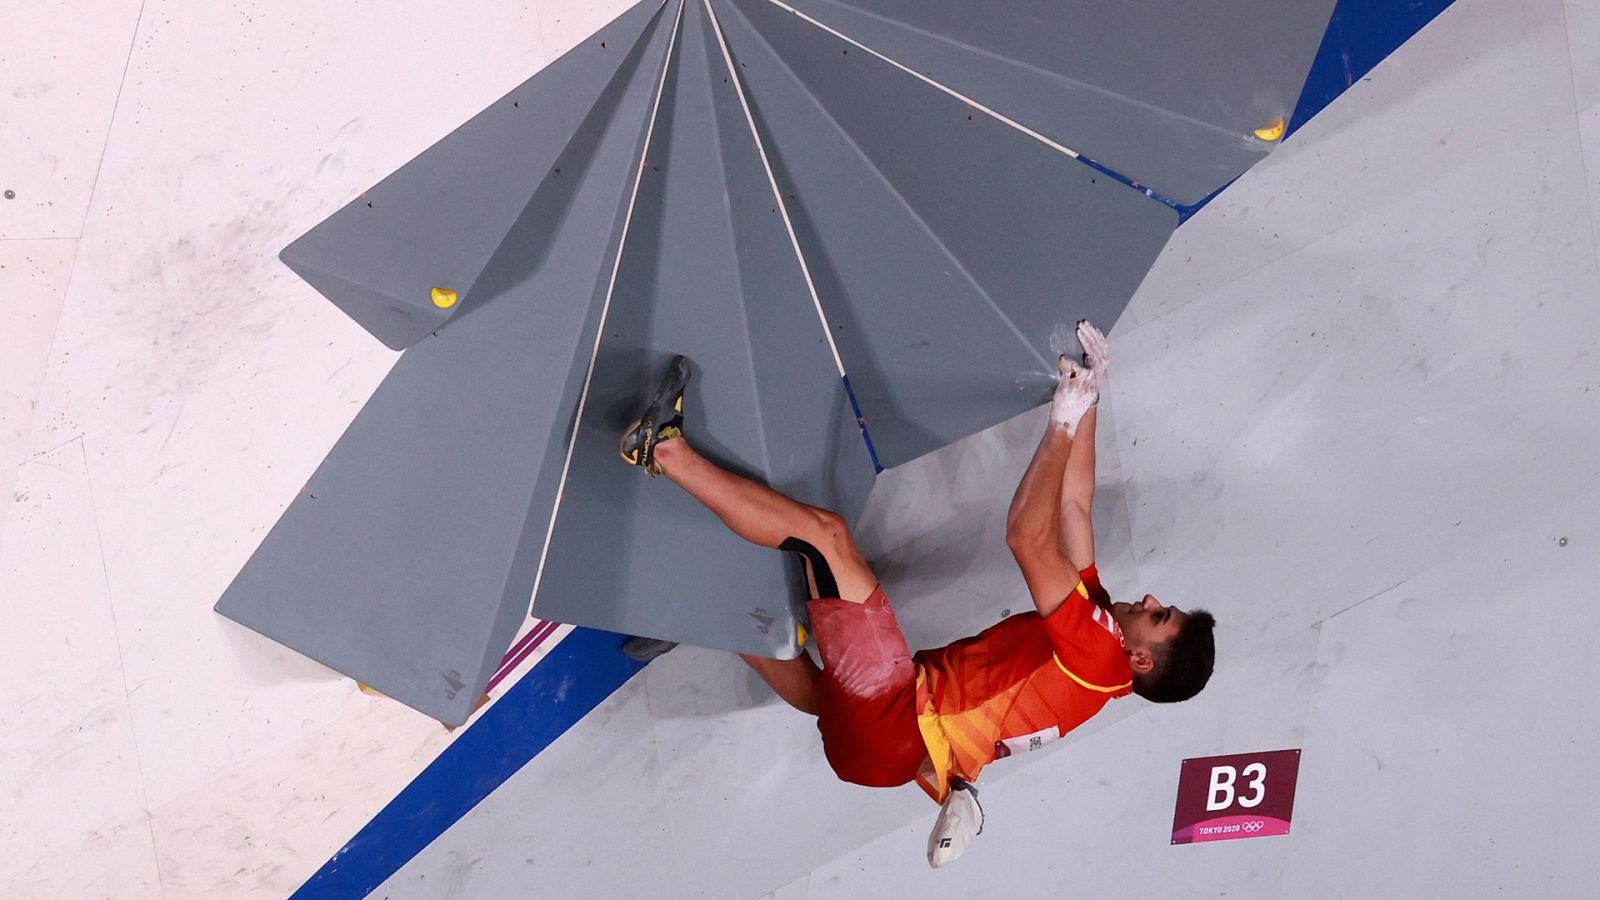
662,419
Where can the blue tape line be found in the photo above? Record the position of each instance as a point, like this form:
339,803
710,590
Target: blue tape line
861,423
580,672
1119,177
1184,212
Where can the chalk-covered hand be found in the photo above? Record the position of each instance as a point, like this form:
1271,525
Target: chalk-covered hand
1096,355
1075,395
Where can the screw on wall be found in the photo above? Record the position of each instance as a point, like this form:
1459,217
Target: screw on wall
11,195
1561,541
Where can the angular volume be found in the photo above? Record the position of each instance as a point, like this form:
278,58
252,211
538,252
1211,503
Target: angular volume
408,561
708,271
402,259
1167,94
817,454
945,245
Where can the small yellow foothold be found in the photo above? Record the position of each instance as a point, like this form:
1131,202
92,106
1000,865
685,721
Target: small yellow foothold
443,299
1272,130
800,634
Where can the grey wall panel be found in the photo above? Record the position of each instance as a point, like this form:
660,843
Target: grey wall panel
945,248
437,221
642,556
1165,93
815,449
405,563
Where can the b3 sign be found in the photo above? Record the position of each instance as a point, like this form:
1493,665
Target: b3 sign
1221,798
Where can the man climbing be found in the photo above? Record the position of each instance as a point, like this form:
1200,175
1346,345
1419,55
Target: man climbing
888,716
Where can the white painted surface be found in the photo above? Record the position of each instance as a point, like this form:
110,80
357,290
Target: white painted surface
547,841
1583,31
33,283
70,770
61,65
197,383
1364,375
1589,128
1466,778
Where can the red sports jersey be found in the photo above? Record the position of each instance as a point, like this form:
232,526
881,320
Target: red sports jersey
1016,686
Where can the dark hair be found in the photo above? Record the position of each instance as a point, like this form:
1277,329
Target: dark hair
1183,664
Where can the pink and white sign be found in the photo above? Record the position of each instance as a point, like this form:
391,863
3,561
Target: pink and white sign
1222,798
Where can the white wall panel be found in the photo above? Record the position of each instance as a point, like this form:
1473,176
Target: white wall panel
60,69
1451,729
33,282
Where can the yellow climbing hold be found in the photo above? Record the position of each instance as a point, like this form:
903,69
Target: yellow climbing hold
443,299
1272,130
800,634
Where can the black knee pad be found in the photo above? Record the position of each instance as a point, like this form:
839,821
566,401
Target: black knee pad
826,586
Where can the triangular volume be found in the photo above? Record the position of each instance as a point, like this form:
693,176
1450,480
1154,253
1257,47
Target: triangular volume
816,452
1167,94
945,245
402,258
408,561
709,272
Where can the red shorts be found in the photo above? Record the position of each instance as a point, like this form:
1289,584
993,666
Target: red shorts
867,708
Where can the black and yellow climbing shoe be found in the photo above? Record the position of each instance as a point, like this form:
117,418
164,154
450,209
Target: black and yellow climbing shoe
662,419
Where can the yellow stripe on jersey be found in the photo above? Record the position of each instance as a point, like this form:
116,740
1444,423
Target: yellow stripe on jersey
961,741
1092,687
